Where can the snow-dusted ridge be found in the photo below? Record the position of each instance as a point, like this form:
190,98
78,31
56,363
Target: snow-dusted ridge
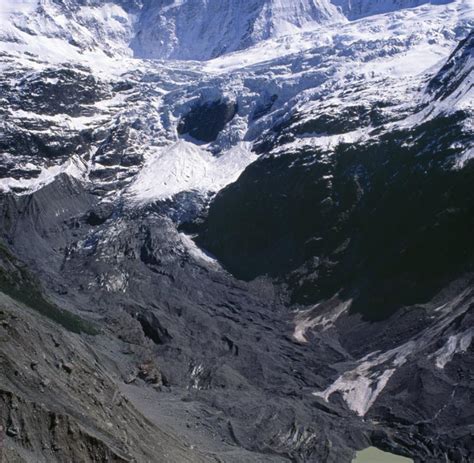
73,167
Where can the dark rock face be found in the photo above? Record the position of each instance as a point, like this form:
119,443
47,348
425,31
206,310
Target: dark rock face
205,121
152,328
58,91
327,120
457,69
23,144
393,213
43,140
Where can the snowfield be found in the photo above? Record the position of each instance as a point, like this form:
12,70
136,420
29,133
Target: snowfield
382,58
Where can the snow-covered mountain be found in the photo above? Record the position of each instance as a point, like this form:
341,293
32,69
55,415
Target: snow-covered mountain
199,29
202,29
259,215
190,29
76,90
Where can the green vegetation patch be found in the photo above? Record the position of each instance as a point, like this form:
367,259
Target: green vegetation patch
19,284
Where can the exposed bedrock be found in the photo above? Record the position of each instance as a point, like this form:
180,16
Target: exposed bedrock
388,221
206,120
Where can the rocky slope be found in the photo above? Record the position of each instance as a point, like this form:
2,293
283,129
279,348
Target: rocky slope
265,256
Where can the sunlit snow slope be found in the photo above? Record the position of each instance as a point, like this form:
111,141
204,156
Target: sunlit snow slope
185,29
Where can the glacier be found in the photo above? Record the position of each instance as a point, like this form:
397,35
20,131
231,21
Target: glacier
160,161
385,57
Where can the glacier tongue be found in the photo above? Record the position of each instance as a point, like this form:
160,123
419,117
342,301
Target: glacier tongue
184,166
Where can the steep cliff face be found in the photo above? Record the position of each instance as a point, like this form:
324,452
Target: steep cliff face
200,29
168,29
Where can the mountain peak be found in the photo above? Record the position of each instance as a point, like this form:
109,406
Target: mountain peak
199,29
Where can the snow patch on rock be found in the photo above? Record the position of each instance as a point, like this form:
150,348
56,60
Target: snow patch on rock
361,386
322,315
197,252
456,344
74,167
